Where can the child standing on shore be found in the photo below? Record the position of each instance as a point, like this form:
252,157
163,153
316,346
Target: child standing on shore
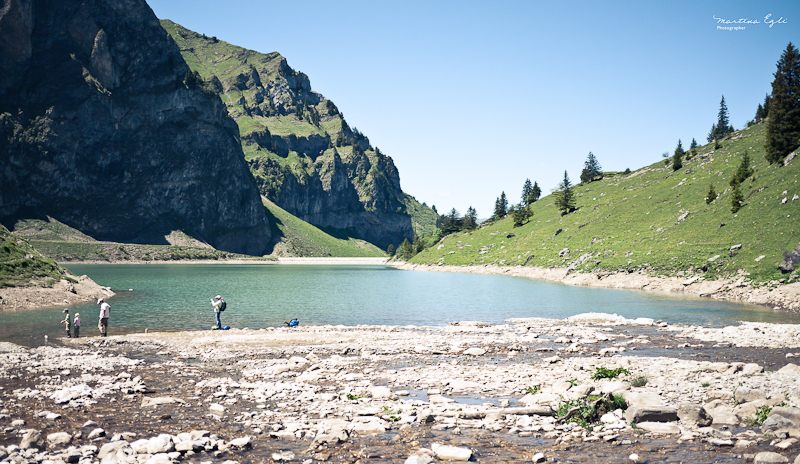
67,323
77,324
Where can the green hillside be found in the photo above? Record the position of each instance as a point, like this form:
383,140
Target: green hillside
21,265
654,219
299,238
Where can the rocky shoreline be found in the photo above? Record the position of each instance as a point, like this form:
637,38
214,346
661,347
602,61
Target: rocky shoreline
776,295
512,392
62,293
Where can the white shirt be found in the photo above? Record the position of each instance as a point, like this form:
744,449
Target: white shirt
105,310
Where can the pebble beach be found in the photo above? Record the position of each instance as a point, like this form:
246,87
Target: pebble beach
469,391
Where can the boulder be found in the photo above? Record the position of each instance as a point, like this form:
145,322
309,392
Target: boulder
793,414
638,414
746,395
111,448
474,352
32,439
768,457
58,439
147,401
160,444
790,369
694,415
451,453
776,422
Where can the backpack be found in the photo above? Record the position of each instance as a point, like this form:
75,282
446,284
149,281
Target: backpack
224,305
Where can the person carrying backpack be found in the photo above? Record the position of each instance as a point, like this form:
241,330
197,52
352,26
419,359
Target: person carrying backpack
219,306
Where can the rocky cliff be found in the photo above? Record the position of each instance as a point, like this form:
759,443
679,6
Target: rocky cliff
301,151
103,127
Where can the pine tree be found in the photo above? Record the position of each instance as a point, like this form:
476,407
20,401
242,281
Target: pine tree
564,196
783,124
677,158
526,191
501,206
405,251
470,220
693,145
711,195
736,199
743,172
521,214
390,250
722,126
450,223
591,169
536,192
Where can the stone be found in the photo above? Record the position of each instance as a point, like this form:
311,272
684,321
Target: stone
380,392
147,401
752,369
96,433
111,448
538,457
216,407
790,369
776,422
32,439
792,414
768,457
642,398
58,439
746,395
242,443
283,456
451,453
659,427
694,415
369,425
615,386
474,352
783,445
637,414
160,444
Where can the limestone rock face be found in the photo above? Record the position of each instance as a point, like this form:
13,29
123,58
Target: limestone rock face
101,129
301,151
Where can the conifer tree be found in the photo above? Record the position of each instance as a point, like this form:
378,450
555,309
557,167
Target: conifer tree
501,206
736,199
527,188
521,214
470,220
677,158
536,192
743,171
722,126
390,250
405,251
591,169
711,195
693,145
564,196
783,123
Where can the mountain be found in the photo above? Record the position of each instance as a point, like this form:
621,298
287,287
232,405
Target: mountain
656,220
104,128
303,154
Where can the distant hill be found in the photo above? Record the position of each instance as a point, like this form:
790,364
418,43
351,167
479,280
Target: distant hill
655,219
21,265
301,151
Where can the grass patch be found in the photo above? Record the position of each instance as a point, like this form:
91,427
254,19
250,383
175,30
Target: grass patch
639,221
605,373
587,412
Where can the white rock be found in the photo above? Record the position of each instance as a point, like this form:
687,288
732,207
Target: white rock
659,427
474,352
451,453
216,407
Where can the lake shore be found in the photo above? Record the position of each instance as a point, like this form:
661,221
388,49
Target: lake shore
467,391
785,297
62,293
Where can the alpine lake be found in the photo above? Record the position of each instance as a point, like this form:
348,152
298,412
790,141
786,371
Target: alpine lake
176,297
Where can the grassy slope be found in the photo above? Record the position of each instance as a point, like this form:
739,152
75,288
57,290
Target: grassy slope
631,221
21,265
423,217
299,238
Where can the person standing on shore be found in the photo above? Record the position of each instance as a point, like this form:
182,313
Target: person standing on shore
77,324
105,312
219,306
67,323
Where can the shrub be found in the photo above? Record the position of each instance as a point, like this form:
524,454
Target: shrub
605,373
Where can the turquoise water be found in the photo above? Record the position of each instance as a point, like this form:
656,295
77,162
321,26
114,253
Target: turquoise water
171,297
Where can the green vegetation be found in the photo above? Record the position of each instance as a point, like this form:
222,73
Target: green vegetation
783,120
21,265
587,411
656,220
295,237
759,416
424,219
564,196
639,381
606,373
591,169
65,252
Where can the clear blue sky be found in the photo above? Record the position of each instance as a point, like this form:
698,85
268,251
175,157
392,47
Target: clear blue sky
472,98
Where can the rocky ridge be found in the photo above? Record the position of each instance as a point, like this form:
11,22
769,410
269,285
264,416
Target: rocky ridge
468,391
103,128
301,151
